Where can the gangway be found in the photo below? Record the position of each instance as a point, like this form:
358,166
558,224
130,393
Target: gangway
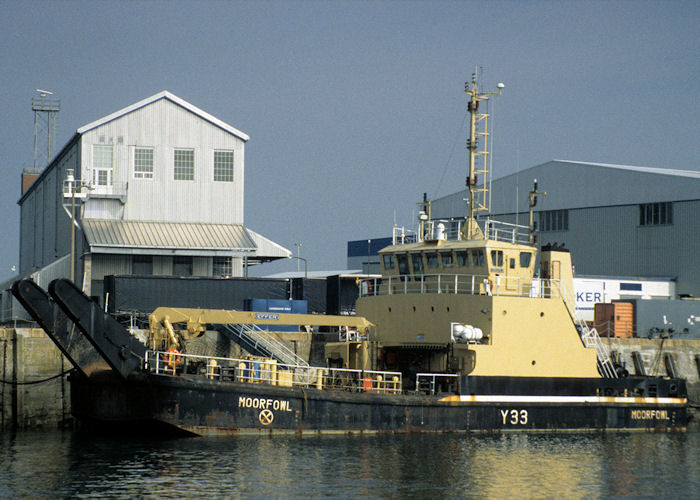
259,342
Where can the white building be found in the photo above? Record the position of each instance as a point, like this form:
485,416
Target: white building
158,190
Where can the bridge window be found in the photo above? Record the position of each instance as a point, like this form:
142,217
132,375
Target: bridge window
463,259
446,259
417,261
402,260
497,258
389,262
525,259
478,258
432,259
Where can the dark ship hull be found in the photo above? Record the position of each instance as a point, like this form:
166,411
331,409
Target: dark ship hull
197,406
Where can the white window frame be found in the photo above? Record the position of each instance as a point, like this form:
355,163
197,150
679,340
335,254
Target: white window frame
100,166
221,170
175,165
143,174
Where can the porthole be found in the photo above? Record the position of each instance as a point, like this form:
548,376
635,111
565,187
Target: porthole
414,308
432,308
533,362
541,314
390,309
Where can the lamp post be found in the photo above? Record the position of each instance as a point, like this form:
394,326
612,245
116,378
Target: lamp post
298,245
306,272
70,188
70,179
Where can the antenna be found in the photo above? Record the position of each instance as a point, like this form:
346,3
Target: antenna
45,109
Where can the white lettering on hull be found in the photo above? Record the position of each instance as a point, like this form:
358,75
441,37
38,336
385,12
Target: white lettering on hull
514,417
649,414
264,404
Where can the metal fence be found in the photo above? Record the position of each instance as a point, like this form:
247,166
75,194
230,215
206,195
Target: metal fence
471,284
268,371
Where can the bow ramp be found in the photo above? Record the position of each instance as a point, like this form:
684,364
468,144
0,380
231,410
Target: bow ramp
121,350
81,353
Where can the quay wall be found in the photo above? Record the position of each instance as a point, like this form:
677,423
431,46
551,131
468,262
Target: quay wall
34,388
685,354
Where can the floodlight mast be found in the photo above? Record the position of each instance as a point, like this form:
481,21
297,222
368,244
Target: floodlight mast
478,153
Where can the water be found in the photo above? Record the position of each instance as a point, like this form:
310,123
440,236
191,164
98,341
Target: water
72,464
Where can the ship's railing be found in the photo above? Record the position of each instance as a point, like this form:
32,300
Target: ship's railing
590,338
471,284
402,236
430,383
268,371
504,231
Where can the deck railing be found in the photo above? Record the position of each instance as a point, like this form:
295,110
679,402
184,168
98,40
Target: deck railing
471,284
267,371
430,383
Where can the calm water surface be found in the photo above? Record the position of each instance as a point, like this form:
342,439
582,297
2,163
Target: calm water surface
73,464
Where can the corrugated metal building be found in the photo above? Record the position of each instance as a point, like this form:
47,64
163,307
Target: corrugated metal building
159,190
617,220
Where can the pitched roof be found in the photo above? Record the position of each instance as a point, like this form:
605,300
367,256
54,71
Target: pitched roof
171,97
119,236
647,170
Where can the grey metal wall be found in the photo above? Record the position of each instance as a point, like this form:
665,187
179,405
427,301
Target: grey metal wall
44,224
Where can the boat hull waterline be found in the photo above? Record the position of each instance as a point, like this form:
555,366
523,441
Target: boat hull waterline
197,406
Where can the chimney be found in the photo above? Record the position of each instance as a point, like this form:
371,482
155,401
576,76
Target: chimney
28,178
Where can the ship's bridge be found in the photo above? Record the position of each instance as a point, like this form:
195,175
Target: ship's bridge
497,260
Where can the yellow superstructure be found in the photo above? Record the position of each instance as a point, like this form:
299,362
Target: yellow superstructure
468,300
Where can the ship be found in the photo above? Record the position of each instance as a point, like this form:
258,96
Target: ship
470,327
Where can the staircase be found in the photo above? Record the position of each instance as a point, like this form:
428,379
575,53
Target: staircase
258,342
590,337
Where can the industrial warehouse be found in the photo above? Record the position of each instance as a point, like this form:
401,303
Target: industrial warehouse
155,188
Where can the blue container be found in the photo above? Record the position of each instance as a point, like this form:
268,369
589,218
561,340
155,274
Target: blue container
278,306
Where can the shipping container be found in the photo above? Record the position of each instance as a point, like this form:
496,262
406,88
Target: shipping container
614,320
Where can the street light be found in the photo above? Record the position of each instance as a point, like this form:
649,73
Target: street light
72,187
306,272
70,179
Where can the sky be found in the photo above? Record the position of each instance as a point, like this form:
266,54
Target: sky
356,108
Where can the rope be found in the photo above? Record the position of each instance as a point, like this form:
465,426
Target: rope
9,382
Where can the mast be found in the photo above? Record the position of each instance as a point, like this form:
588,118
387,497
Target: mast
477,145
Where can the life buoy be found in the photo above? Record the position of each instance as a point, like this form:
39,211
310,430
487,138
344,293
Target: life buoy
172,358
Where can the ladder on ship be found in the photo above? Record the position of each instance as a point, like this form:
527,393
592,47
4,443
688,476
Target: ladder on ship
590,338
259,342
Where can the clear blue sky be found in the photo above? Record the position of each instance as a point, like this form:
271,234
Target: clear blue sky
355,109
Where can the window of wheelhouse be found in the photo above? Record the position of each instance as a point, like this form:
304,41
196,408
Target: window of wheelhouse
478,258
402,261
463,258
446,258
432,259
497,258
525,259
389,262
417,261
